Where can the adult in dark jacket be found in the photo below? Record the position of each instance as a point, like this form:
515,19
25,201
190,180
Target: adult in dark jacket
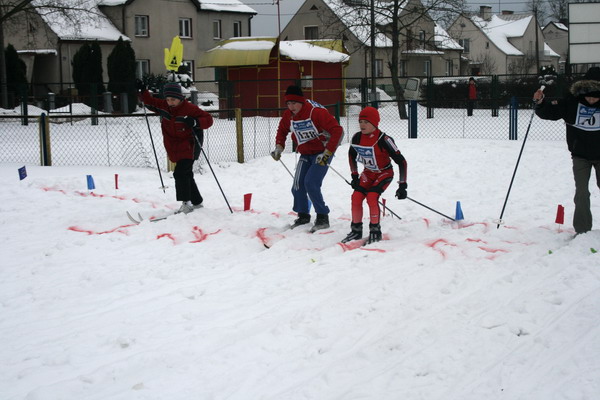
375,150
182,125
316,135
580,110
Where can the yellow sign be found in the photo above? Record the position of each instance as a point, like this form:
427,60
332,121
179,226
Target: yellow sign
174,56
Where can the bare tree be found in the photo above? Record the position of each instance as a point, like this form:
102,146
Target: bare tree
487,64
394,22
15,14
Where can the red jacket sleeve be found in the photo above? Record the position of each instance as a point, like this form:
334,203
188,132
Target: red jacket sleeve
284,128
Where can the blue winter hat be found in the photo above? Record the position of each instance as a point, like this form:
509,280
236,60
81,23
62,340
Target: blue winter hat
173,90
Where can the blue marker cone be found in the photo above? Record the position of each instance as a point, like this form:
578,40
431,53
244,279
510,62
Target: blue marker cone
90,183
459,214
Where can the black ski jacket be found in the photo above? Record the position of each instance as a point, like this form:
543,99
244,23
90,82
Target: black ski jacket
581,118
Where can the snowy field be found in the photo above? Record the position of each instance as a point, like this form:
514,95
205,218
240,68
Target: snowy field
195,307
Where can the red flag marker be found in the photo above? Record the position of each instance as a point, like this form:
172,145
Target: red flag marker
247,200
560,215
116,181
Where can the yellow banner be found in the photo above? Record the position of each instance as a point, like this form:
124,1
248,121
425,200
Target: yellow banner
174,56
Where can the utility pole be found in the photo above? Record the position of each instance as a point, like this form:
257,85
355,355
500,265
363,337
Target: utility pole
373,84
278,20
537,46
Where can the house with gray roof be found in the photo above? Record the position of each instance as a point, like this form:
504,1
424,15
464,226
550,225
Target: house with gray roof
507,43
425,49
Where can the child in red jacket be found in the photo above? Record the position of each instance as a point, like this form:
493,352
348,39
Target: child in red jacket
374,149
182,126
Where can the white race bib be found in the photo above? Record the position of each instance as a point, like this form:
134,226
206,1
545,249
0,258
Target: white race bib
588,118
366,156
304,131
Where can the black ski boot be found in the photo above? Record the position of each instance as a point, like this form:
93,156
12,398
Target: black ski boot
302,219
321,222
356,233
374,233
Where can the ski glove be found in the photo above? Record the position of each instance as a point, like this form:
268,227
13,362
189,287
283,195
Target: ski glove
190,121
139,85
355,182
401,192
323,158
276,154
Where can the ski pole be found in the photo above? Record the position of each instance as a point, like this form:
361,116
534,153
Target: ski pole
153,148
286,168
429,208
218,184
380,202
517,165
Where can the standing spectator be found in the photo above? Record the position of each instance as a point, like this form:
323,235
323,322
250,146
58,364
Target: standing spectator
182,125
580,109
471,96
375,150
316,135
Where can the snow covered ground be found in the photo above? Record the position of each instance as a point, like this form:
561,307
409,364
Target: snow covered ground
195,307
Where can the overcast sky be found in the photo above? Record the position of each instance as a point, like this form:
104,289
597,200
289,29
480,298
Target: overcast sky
266,22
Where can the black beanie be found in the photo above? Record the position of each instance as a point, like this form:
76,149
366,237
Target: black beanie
294,93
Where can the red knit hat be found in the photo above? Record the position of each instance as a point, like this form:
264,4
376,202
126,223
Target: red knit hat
294,93
371,115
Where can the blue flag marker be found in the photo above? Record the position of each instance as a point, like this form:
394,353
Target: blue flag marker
90,183
459,213
22,173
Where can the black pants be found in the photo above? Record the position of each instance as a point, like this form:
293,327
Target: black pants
470,104
582,171
185,185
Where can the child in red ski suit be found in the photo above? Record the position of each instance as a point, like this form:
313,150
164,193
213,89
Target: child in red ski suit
182,126
374,149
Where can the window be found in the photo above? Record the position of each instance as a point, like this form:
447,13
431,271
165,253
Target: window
427,68
487,45
217,29
311,32
237,28
185,27
378,68
141,25
142,67
188,65
422,39
449,68
465,44
403,68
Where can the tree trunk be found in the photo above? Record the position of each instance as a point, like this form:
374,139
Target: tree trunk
398,89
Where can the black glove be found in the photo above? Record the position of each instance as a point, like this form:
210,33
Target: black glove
140,86
355,182
401,192
189,121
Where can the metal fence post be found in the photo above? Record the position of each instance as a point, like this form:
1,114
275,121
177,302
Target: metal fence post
495,94
194,96
107,100
430,95
239,127
124,103
24,110
45,151
51,101
412,119
513,119
337,112
94,102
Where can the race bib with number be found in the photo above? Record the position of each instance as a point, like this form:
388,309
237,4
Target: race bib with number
366,156
304,131
588,118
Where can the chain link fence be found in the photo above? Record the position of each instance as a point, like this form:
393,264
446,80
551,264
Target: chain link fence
131,141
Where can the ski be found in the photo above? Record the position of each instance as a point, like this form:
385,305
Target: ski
135,221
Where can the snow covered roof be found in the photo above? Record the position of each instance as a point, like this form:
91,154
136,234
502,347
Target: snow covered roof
310,50
257,51
499,30
443,41
549,52
93,25
226,6
352,21
558,25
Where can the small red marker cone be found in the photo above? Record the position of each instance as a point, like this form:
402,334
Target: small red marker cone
560,216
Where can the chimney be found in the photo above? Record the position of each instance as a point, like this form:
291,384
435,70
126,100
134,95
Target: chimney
485,12
507,12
